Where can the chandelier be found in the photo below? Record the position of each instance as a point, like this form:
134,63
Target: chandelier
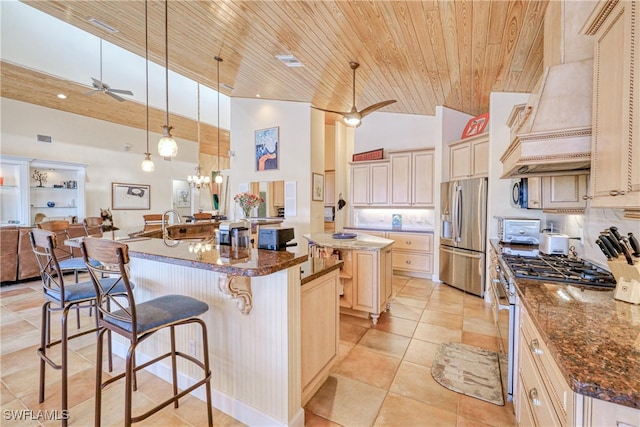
198,180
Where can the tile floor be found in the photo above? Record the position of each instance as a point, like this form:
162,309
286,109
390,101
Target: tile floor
382,378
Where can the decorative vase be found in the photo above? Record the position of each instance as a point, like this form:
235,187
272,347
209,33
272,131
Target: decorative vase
246,211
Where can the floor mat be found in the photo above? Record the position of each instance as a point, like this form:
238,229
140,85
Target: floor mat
469,370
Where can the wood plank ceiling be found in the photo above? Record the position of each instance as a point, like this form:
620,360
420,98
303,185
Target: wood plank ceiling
421,53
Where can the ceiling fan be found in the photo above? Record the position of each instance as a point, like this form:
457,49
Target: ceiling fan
354,117
101,86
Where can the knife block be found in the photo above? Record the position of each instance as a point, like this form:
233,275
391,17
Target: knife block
627,280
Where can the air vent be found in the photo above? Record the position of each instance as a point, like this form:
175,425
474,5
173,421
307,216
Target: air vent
226,85
289,60
45,138
102,25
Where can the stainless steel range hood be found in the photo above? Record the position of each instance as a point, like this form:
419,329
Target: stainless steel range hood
552,132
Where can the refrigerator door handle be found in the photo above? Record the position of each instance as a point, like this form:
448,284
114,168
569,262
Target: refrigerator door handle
458,214
462,254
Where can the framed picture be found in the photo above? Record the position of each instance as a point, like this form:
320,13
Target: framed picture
317,187
130,196
183,197
267,141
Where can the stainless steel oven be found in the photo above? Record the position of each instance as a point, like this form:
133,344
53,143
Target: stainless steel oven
503,300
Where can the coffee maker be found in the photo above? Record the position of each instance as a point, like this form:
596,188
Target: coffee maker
234,234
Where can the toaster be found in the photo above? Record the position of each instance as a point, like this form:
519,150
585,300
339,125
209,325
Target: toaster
554,244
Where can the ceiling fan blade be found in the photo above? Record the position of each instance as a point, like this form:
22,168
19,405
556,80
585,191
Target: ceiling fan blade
330,111
114,96
124,92
377,106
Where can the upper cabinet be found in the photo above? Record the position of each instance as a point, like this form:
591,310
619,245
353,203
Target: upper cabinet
412,178
615,155
370,183
469,158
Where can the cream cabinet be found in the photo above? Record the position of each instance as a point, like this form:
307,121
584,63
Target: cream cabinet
329,188
412,178
320,331
412,252
366,281
469,158
564,194
600,413
543,397
370,183
615,142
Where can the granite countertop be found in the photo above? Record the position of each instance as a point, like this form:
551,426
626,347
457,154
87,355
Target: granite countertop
317,267
205,254
361,241
386,228
594,338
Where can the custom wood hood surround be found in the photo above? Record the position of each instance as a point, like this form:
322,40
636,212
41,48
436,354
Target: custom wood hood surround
552,132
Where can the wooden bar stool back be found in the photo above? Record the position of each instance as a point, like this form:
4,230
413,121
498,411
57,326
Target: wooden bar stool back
93,226
58,297
139,321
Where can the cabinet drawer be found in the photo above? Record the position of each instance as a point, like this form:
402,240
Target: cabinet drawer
411,261
533,393
533,346
411,241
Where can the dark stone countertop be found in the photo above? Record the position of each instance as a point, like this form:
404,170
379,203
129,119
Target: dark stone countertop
594,338
317,267
206,255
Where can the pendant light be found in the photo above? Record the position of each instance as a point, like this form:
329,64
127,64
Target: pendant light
147,163
197,180
218,177
167,146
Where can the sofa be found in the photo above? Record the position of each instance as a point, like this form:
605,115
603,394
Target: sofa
17,261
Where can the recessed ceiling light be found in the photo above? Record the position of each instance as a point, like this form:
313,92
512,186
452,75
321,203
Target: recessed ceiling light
257,95
62,96
289,60
108,28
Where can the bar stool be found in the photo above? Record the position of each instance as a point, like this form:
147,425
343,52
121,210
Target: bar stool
65,256
137,322
93,226
59,297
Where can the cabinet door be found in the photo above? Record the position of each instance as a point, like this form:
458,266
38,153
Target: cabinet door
564,192
366,281
278,193
360,184
400,179
615,173
329,188
379,184
480,158
460,161
422,178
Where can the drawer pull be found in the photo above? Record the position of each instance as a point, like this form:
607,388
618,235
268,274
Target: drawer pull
408,242
617,193
534,346
408,261
533,397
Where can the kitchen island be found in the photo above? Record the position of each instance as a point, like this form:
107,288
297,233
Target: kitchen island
366,274
254,320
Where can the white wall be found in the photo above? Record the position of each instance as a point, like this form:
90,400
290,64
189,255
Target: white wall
101,146
396,131
294,152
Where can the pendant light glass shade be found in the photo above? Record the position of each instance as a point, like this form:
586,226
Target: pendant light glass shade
219,178
147,163
167,146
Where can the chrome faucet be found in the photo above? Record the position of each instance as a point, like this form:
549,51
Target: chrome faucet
164,220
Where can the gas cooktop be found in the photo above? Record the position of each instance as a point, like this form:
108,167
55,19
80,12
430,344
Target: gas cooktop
559,268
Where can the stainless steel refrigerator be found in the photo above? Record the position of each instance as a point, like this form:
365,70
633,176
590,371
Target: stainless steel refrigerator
463,212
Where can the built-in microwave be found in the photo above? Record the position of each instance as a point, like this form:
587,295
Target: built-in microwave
520,193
